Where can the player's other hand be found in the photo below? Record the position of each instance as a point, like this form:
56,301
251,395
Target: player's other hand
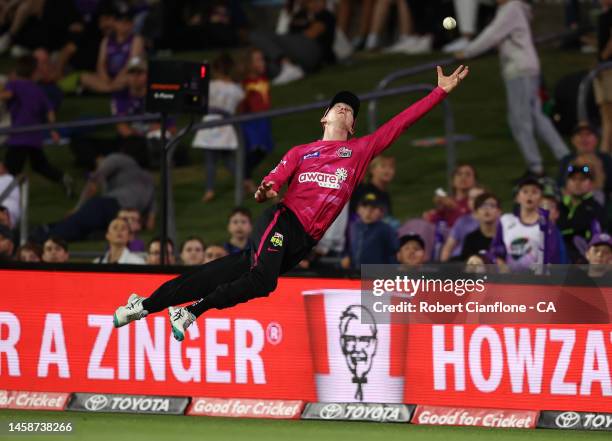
448,83
265,192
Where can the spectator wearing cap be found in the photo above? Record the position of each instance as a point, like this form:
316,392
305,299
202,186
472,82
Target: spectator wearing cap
600,249
580,214
525,238
116,49
7,246
486,212
29,252
585,142
55,250
372,241
411,250
10,194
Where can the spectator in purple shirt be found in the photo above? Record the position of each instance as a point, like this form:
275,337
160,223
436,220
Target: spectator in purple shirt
28,105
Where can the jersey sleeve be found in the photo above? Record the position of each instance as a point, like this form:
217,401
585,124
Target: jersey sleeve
283,171
384,136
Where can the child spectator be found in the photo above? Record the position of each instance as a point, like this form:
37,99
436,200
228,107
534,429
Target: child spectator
192,251
600,250
411,250
585,142
214,252
603,84
134,220
29,105
55,250
511,33
154,252
551,200
239,227
29,252
7,246
372,241
381,173
450,208
526,238
257,134
464,226
219,142
117,236
115,51
580,214
486,213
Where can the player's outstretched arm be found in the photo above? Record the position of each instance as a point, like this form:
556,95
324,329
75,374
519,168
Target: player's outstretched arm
448,83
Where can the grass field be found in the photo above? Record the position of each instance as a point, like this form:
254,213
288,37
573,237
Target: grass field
479,107
116,427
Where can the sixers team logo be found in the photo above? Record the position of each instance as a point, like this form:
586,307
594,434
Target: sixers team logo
325,180
344,152
277,240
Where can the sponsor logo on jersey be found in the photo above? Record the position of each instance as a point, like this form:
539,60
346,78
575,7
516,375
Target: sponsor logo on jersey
325,180
344,152
312,155
277,240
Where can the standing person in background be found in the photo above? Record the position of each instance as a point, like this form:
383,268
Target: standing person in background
29,105
239,227
603,83
257,133
344,13
222,141
408,41
192,251
510,31
115,51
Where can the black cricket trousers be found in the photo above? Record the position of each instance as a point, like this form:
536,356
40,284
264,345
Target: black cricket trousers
278,243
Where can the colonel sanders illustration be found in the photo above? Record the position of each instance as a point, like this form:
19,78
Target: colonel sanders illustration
358,342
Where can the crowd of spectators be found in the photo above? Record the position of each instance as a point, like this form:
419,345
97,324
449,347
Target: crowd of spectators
102,47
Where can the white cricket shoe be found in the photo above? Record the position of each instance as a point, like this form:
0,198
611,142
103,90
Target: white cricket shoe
180,319
289,73
130,312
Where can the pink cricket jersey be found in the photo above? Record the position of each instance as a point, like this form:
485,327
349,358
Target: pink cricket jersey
323,174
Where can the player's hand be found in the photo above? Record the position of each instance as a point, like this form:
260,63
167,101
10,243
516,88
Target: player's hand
448,83
265,192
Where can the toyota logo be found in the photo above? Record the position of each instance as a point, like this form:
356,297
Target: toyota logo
567,420
96,402
331,411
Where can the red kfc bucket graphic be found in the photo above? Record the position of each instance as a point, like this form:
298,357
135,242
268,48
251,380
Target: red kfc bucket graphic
356,358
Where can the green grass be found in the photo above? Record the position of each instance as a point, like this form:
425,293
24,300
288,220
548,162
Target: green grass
104,427
479,106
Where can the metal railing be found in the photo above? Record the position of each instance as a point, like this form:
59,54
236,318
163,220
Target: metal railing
585,87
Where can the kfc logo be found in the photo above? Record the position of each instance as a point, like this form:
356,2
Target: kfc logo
359,343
